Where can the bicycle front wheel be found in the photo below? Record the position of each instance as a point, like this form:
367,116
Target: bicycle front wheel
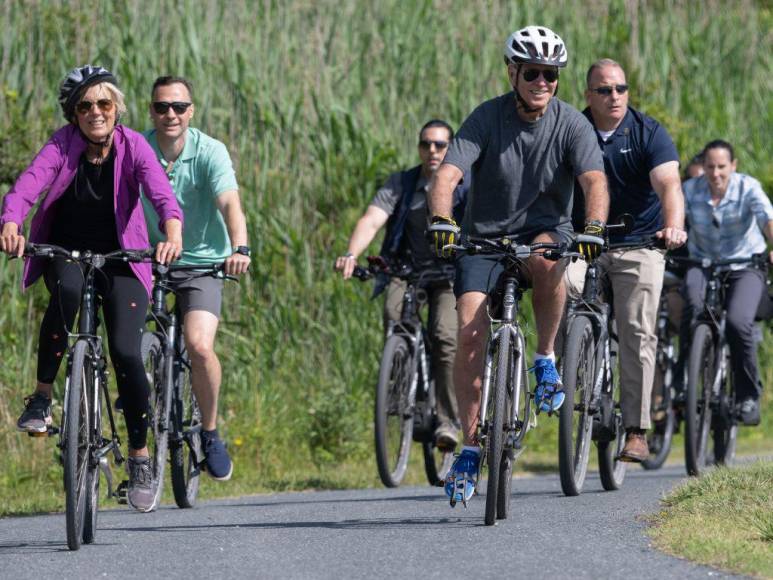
393,411
662,413
495,427
575,420
186,452
92,472
700,377
154,361
76,443
724,423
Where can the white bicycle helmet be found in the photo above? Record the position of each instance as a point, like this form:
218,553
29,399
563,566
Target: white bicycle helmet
77,79
535,45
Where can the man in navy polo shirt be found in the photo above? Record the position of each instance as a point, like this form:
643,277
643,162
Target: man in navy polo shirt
642,167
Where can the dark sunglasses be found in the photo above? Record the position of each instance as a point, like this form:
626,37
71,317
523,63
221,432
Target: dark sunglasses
179,107
104,105
531,74
426,144
606,91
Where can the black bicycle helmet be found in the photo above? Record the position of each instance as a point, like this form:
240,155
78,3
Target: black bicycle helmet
80,78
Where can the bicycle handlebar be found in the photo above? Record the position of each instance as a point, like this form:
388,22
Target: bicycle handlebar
51,251
757,260
214,270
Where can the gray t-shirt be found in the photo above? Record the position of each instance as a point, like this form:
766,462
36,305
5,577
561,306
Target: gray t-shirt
522,173
388,198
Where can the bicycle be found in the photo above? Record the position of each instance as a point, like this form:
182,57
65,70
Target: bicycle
176,417
663,412
505,413
406,405
83,447
591,411
710,405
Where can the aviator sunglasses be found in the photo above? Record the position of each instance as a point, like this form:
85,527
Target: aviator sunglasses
531,74
426,144
179,107
606,91
104,105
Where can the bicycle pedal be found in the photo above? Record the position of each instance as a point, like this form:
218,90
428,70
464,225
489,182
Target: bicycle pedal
121,492
49,432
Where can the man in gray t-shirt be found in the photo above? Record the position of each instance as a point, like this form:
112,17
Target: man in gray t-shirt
401,206
524,149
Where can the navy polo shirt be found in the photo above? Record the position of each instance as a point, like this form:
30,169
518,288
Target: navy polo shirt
638,145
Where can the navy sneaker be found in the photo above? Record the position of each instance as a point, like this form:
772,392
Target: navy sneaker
463,477
549,394
216,459
36,417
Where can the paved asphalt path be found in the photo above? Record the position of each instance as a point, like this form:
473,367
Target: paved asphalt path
377,533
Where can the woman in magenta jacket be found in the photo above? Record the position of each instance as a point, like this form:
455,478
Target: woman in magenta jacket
93,170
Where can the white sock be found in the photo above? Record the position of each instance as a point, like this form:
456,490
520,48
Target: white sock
473,448
539,356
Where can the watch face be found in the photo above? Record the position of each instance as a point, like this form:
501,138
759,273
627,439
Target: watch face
244,250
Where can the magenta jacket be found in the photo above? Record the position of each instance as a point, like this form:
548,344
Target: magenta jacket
53,169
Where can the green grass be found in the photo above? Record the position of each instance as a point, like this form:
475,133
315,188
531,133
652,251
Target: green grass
722,519
318,101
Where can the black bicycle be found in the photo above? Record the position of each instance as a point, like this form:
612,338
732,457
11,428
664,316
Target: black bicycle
505,411
84,448
176,417
664,416
406,403
591,411
710,405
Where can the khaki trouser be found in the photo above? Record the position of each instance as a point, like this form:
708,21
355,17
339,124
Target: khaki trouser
637,278
442,326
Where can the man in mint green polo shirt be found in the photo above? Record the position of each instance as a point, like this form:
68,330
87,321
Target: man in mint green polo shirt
203,180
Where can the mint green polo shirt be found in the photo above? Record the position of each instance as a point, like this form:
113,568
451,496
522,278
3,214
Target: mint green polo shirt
201,173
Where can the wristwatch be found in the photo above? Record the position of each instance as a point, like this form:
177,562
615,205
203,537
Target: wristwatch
243,250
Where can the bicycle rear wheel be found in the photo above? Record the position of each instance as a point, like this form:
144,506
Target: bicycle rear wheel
611,469
92,472
76,443
575,420
186,447
724,424
393,411
154,361
662,413
495,426
700,377
437,462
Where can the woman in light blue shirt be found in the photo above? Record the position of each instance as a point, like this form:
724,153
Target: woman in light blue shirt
730,216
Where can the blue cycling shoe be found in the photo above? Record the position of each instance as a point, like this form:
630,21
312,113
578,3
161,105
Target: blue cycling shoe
549,395
463,477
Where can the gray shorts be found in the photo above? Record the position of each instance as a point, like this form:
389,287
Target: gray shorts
203,293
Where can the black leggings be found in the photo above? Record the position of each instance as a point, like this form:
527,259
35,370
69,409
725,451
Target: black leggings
124,304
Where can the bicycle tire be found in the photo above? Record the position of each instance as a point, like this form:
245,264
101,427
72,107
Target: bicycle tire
437,462
574,419
76,445
495,429
611,469
393,436
663,415
724,422
700,377
154,361
185,449
92,482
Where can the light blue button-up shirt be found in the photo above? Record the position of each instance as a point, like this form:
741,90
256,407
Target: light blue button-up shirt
734,228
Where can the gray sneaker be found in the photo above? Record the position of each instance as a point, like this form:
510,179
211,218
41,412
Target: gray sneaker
141,493
36,417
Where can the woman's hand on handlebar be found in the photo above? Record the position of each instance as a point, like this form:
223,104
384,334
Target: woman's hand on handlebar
168,251
11,242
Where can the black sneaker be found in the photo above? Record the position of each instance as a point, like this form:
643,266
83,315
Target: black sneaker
36,417
749,412
216,459
141,493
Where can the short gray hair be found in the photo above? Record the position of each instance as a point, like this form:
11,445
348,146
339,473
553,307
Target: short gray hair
600,64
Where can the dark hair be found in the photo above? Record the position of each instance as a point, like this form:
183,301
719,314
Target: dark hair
718,144
696,159
437,123
165,81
